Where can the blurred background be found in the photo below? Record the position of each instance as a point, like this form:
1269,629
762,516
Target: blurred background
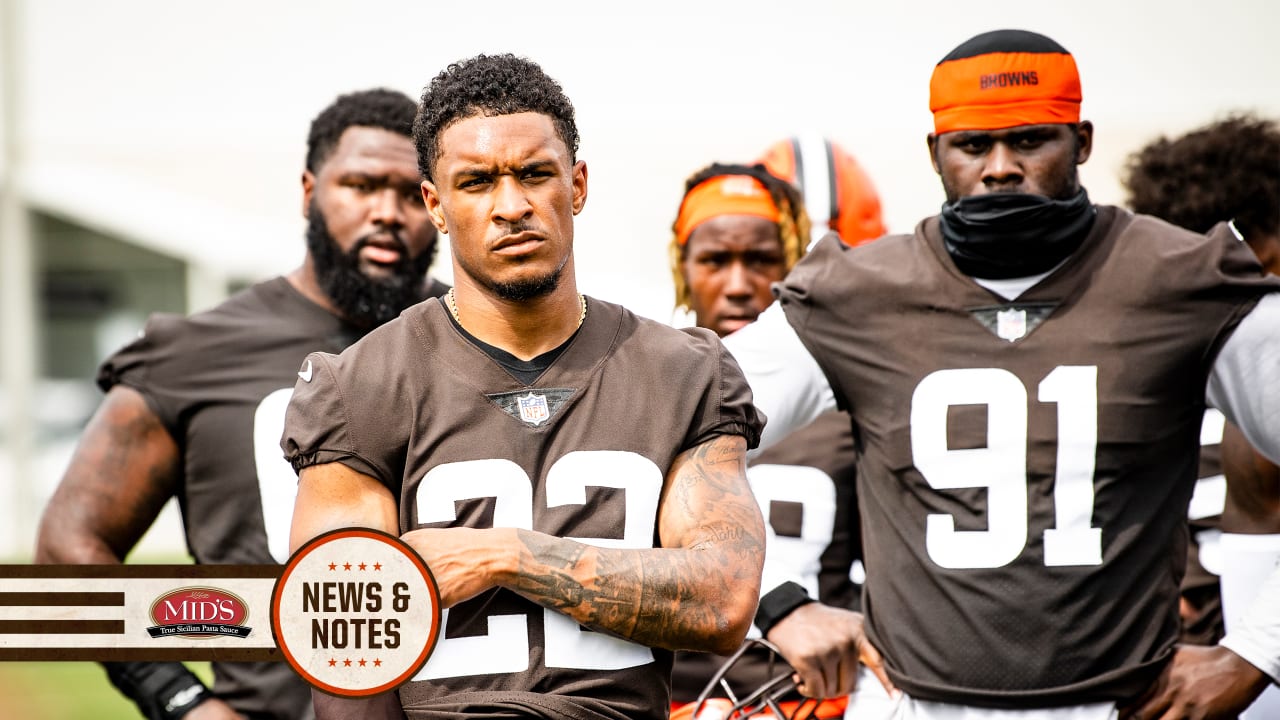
152,150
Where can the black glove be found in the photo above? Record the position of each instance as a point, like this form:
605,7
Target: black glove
161,690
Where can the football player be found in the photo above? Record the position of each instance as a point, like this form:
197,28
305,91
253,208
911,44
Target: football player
195,406
738,230
1227,170
489,428
1026,376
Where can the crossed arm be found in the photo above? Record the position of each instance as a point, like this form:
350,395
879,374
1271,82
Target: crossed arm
697,591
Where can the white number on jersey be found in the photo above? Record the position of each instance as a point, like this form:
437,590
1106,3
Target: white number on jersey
277,483
798,559
505,649
1001,466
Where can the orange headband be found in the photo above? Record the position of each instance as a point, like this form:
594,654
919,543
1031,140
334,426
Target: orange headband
1004,89
723,195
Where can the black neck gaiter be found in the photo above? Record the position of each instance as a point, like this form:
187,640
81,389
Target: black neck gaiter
1011,235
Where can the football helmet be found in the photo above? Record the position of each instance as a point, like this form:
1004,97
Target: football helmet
838,193
774,698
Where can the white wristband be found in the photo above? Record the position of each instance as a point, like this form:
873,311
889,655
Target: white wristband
1252,616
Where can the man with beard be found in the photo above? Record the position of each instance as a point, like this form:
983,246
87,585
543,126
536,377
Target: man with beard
572,474
1026,376
195,406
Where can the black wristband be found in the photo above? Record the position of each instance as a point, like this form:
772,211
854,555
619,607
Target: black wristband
162,691
778,603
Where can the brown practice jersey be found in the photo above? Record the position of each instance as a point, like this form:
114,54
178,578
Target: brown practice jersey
805,487
582,453
219,381
1025,466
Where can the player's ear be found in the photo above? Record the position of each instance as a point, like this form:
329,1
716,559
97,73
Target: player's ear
435,211
1084,141
579,186
933,152
308,187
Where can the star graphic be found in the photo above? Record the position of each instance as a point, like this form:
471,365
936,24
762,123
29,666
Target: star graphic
363,566
333,566
346,663
361,662
346,566
377,662
377,566
332,662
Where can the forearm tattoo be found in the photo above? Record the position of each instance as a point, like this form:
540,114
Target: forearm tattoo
674,597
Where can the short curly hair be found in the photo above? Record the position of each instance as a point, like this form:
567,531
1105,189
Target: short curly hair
378,108
793,220
489,85
1227,170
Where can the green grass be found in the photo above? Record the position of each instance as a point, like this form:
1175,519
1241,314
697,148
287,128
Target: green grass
62,691
67,691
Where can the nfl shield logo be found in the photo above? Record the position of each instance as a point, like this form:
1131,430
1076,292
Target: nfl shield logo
533,409
1011,324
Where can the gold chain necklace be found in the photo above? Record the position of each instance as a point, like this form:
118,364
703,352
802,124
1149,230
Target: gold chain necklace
453,307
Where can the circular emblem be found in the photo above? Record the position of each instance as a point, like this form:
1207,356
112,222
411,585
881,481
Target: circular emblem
356,612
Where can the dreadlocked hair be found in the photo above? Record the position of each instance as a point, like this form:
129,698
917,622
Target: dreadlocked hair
1227,170
793,221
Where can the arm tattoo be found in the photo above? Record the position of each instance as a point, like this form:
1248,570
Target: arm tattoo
685,595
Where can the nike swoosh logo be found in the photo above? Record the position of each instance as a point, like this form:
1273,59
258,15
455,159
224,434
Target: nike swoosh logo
305,373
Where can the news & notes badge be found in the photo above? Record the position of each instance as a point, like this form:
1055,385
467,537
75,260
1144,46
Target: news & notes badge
356,612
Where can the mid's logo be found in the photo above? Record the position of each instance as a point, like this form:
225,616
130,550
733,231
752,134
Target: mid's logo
199,612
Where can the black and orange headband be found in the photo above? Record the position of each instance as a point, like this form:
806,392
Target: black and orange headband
1003,79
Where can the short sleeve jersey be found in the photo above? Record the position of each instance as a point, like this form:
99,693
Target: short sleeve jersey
219,381
581,453
1026,465
805,487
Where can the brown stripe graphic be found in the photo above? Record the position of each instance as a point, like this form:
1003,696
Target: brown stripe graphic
142,654
61,627
140,571
61,599
45,597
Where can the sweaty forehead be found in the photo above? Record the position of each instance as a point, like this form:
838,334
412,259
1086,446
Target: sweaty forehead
501,141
